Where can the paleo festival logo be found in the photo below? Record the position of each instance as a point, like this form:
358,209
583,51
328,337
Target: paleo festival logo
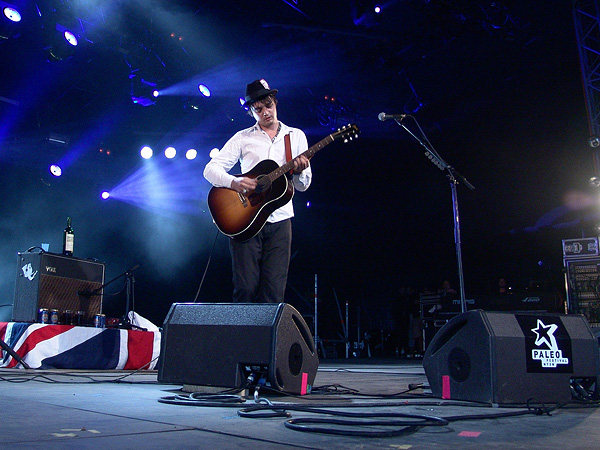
552,355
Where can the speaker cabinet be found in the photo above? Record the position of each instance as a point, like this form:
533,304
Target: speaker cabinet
220,344
509,358
48,280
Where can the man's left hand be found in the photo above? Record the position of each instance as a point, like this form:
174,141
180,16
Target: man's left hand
300,163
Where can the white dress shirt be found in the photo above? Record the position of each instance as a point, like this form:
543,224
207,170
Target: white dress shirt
249,147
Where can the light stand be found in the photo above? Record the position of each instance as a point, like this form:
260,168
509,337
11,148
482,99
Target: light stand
454,176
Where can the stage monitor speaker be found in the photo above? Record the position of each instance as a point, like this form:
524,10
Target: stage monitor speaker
510,358
220,344
48,280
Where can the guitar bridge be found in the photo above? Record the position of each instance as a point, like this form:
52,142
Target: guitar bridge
243,199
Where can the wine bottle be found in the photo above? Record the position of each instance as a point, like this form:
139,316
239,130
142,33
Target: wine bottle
68,239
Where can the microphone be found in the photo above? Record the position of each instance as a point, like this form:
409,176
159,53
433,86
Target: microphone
383,116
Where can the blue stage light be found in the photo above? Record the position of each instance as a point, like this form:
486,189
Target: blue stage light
170,152
55,170
146,152
10,21
70,38
62,44
204,90
11,14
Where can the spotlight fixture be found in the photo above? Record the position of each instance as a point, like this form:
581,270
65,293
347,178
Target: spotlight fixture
364,11
214,152
146,152
55,170
170,152
191,154
143,91
204,90
594,141
10,21
105,195
62,44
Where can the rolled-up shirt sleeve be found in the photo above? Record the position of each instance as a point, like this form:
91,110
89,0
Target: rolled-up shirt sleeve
216,171
303,179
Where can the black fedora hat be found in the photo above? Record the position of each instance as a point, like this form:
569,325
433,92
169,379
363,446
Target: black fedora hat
256,90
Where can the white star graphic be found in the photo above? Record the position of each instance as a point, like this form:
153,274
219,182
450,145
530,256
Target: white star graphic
545,334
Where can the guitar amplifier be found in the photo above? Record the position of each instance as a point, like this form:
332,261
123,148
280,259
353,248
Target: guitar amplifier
48,280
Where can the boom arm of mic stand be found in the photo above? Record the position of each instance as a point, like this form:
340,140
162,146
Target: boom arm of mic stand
436,159
456,174
126,273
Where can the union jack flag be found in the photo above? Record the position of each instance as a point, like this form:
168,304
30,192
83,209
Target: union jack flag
44,346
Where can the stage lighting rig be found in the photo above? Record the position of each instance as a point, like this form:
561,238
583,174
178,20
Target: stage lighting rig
143,91
365,12
62,43
10,21
332,112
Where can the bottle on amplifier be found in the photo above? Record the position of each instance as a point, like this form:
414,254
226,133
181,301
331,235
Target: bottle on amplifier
68,239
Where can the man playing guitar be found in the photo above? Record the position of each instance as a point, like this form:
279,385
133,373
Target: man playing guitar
260,261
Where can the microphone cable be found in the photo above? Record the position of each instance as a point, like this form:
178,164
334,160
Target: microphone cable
206,268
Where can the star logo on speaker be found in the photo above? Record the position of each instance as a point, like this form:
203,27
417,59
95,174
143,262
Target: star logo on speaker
552,356
28,272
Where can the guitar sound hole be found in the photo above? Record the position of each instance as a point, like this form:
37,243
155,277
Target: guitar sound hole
262,183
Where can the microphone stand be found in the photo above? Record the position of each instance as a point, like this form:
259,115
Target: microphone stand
12,353
129,296
454,176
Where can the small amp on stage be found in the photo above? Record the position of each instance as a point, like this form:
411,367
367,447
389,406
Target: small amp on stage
65,283
221,344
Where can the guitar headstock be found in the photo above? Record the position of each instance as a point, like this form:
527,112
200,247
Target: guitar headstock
347,132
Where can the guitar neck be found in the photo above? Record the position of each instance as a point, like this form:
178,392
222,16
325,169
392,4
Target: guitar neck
308,153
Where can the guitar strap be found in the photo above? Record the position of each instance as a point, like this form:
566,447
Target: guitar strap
288,150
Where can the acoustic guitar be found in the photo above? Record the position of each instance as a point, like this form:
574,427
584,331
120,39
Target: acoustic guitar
242,216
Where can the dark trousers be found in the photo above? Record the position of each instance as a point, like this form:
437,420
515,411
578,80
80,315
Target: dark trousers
260,265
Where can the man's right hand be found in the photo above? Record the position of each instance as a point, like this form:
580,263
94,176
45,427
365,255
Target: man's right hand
243,185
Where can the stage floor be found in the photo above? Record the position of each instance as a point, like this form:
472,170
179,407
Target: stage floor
121,410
